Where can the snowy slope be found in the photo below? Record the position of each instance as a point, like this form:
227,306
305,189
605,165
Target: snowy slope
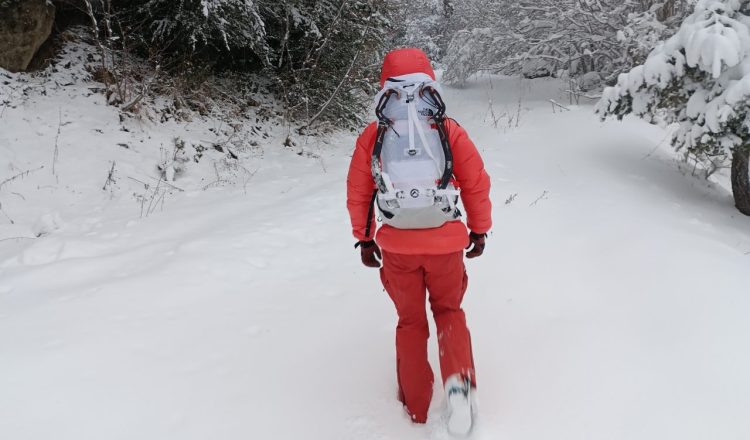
611,302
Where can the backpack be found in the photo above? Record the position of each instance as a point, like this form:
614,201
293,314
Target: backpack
412,162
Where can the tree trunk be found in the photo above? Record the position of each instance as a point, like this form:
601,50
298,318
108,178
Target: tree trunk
741,179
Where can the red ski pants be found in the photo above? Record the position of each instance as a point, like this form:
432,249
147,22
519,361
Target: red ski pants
407,278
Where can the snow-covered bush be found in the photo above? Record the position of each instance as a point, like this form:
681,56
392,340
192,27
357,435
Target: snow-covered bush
184,28
325,54
317,56
173,163
700,79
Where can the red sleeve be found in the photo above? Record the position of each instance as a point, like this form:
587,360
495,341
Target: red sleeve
360,186
468,169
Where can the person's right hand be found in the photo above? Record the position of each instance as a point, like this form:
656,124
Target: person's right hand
370,253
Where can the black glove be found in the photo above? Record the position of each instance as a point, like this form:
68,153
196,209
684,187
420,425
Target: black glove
477,241
370,251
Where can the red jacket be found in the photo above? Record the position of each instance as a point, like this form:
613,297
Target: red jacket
468,171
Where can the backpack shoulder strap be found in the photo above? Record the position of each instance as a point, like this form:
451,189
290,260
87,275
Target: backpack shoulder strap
431,95
383,124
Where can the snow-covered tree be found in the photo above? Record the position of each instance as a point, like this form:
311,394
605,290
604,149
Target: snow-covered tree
643,30
546,36
699,79
425,24
467,54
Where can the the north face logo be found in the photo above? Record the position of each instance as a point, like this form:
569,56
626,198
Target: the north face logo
427,112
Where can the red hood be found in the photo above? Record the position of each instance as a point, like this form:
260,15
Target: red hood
403,62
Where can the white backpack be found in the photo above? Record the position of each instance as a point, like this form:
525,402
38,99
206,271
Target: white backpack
412,163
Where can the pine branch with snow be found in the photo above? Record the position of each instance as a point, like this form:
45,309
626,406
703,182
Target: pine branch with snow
699,79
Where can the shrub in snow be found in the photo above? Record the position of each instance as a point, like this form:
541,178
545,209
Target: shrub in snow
173,164
325,54
699,79
318,56
183,28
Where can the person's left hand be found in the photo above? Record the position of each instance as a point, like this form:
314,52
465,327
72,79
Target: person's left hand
478,243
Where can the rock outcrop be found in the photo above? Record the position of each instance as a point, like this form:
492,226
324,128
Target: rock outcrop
24,26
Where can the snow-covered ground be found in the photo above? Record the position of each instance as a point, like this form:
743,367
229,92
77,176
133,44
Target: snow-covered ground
611,302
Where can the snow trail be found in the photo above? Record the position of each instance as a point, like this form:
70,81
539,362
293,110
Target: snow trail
610,302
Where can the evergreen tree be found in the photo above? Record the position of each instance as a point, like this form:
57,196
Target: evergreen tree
700,79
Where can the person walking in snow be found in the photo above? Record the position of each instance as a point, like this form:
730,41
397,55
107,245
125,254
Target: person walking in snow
414,164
